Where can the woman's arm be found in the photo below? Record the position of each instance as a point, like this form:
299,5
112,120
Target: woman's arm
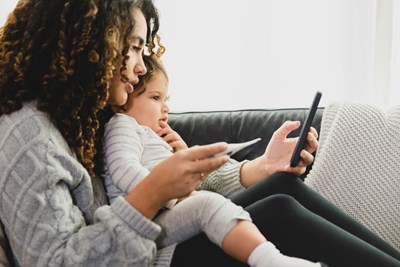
225,180
235,176
47,207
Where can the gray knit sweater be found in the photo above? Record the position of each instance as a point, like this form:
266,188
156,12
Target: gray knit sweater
47,203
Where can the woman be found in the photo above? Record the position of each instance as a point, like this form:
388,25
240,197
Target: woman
61,62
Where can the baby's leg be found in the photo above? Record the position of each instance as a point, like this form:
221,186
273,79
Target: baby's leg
225,224
203,212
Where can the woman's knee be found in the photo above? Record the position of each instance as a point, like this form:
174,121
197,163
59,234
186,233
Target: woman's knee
278,207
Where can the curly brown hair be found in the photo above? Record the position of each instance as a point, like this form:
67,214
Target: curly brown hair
62,53
153,64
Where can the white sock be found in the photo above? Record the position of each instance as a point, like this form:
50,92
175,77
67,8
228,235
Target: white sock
267,255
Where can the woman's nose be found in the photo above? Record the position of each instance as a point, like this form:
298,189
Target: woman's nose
140,67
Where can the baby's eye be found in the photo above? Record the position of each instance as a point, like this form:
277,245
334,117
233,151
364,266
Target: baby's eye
156,97
167,98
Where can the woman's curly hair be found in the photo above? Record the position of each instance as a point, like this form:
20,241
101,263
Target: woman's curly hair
152,61
62,53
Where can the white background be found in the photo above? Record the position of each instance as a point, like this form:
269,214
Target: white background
235,54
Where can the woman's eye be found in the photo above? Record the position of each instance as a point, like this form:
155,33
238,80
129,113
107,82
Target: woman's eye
136,48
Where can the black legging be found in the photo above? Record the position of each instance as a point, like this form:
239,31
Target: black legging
301,223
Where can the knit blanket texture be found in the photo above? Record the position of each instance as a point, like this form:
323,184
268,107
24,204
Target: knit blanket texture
357,165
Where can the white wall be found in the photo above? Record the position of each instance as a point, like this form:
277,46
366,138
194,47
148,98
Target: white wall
6,6
234,54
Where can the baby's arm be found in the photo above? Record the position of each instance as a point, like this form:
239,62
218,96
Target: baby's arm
171,137
123,148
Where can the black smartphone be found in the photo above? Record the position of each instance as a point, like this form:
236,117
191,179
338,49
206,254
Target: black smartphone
304,130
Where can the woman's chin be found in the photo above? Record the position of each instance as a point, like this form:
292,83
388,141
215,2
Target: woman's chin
118,101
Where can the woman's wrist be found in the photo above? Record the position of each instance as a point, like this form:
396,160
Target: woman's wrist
147,198
253,171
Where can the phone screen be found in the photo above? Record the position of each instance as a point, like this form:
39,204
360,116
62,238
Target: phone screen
304,130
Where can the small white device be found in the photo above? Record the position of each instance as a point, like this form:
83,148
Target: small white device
236,147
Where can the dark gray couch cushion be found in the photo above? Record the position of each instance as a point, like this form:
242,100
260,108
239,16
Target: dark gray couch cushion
199,128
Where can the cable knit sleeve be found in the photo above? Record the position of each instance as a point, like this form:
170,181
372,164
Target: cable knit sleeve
47,208
225,180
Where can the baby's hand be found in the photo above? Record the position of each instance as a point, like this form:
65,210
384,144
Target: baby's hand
171,137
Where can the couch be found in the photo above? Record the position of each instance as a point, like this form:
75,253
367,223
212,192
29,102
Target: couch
199,128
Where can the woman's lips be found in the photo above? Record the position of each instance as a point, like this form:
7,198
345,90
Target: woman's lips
129,88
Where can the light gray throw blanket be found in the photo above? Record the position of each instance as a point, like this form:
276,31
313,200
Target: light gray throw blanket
357,165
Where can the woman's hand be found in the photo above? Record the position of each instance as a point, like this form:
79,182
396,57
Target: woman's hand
171,137
278,154
176,177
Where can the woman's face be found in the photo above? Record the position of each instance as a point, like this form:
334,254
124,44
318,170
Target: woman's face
119,90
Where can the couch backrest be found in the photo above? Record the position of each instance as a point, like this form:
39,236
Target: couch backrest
199,128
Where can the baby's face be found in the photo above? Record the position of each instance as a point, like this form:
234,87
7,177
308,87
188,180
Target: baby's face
150,107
